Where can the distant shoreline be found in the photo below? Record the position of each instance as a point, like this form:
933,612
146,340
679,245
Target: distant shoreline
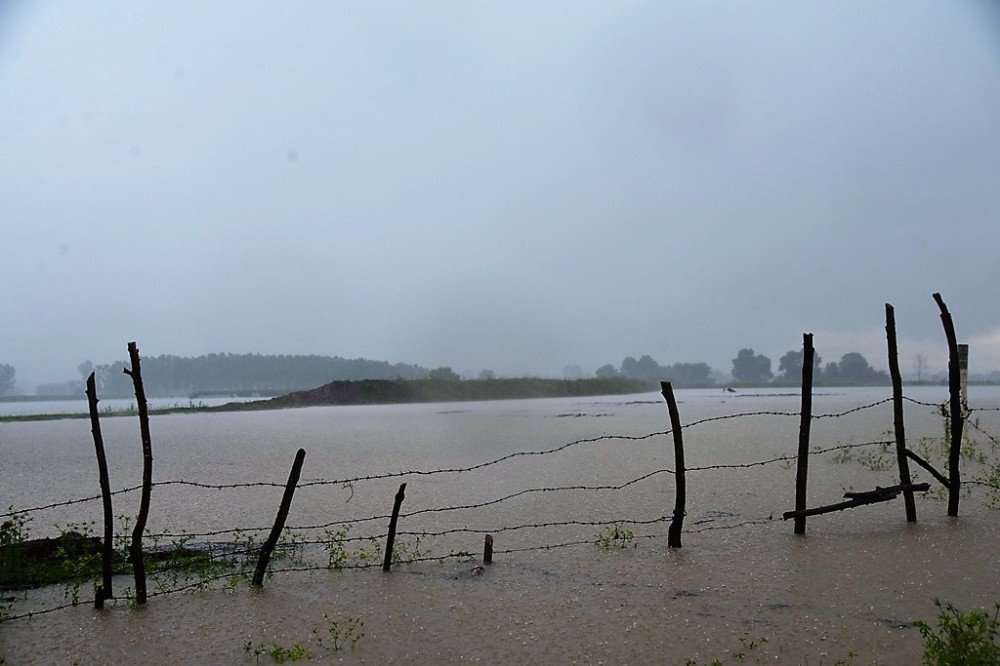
388,392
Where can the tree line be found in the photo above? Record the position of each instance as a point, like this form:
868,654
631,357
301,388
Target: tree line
750,368
171,376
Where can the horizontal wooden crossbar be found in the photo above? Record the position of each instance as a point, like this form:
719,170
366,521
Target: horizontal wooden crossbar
857,499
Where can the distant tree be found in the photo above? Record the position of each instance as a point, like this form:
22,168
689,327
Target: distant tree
572,372
487,374
85,369
751,368
853,369
72,387
689,374
646,369
790,365
7,374
607,370
445,373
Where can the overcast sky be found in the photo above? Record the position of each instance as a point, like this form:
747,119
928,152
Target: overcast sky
518,186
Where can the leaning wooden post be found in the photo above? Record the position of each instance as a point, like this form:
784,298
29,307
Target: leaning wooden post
488,549
279,520
391,537
957,416
135,548
107,547
805,420
677,521
897,414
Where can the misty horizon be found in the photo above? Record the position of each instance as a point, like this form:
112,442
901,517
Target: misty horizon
520,188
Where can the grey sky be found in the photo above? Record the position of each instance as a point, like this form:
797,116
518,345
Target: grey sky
504,185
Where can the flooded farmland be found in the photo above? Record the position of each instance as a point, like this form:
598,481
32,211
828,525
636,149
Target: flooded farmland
852,584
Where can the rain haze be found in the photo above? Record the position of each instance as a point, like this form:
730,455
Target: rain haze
510,186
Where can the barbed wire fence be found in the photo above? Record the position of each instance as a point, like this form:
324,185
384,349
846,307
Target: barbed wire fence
186,564
304,546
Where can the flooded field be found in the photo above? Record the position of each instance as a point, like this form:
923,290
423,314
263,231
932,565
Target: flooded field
852,584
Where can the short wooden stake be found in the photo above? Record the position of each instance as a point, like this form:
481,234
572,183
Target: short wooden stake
279,520
805,420
104,591
135,547
391,537
956,414
897,413
677,521
488,549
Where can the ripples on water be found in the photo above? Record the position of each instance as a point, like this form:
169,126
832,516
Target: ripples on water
851,584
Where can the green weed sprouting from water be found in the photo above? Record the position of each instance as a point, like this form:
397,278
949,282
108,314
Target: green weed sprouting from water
277,653
404,551
341,634
616,536
336,636
961,638
333,543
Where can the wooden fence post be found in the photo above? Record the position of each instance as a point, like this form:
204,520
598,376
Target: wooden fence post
957,415
279,520
135,548
488,549
104,591
677,521
805,420
391,537
897,414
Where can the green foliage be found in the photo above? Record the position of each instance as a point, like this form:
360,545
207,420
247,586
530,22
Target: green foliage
341,634
616,536
277,653
337,636
878,459
961,638
15,529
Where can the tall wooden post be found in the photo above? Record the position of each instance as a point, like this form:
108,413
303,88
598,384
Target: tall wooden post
677,522
805,420
897,414
135,548
107,547
279,519
955,408
390,538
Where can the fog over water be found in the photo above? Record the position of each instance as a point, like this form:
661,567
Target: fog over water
518,187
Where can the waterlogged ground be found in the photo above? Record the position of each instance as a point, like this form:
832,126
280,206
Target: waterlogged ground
853,584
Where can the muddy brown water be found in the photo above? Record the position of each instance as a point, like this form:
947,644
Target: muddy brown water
852,584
